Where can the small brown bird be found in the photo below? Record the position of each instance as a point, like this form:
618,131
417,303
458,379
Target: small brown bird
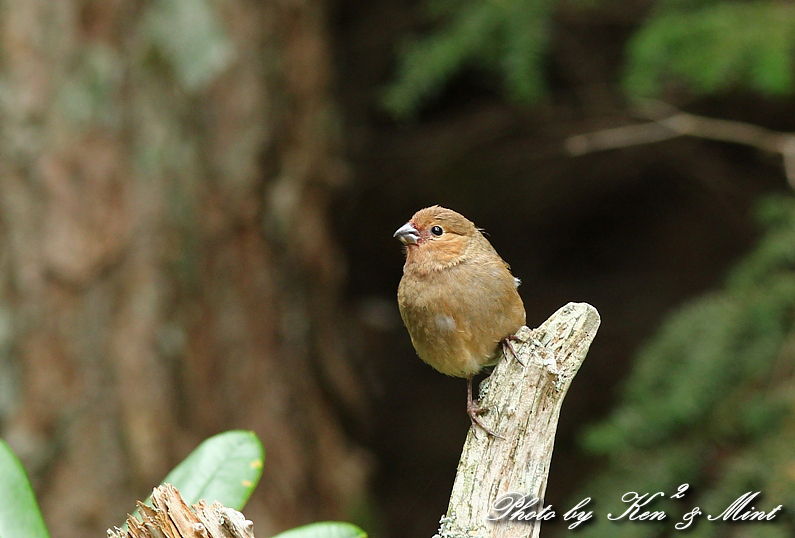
457,297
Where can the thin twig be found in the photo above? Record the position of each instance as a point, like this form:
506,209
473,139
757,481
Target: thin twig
669,122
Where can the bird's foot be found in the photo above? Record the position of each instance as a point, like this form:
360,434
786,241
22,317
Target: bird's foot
474,413
507,345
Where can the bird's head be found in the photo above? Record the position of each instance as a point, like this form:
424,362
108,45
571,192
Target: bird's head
437,237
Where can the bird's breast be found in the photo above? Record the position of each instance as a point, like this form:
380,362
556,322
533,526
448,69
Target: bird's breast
457,317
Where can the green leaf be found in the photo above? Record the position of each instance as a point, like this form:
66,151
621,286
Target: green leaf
224,468
326,529
19,512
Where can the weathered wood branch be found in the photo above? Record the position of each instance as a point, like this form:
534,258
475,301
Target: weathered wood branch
524,403
669,122
170,517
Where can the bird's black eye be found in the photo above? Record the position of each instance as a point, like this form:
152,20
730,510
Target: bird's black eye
437,231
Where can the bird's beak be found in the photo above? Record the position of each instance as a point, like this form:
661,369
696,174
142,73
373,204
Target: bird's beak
407,234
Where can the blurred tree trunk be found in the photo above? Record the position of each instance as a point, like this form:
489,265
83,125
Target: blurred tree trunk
166,269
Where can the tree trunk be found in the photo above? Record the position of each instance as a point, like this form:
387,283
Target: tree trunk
166,272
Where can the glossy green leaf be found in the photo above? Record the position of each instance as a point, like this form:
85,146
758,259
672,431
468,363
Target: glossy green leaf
224,468
326,529
19,513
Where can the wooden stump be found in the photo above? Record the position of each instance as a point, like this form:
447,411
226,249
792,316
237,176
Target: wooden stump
524,404
170,517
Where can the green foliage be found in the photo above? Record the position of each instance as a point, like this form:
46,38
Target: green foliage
707,45
711,401
509,36
19,512
713,46
327,529
224,468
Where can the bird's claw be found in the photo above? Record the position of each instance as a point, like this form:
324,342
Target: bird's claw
507,344
477,410
474,413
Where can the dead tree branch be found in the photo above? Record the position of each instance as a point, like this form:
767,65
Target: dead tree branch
669,122
524,403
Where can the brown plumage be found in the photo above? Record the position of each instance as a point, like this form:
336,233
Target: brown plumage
457,297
